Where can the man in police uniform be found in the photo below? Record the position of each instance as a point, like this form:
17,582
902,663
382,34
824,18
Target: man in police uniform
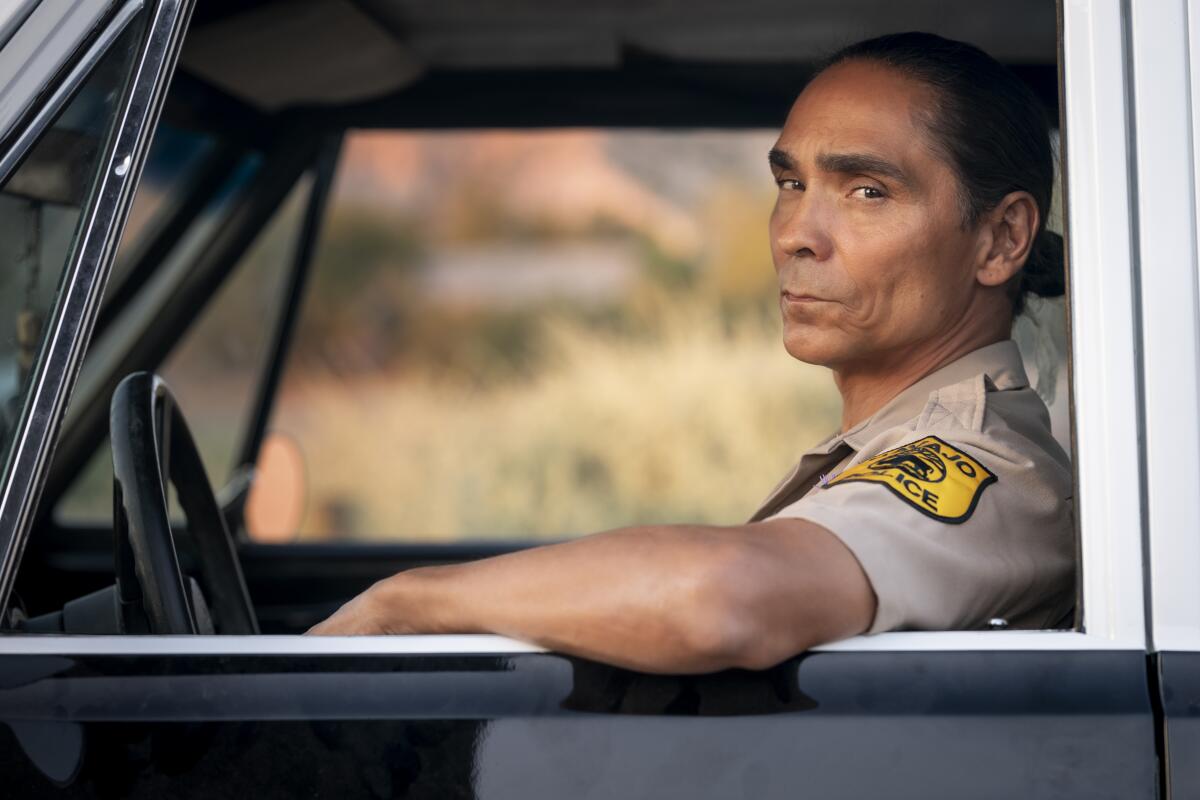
967,452
914,180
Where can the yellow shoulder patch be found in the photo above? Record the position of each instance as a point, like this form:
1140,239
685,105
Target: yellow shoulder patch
935,478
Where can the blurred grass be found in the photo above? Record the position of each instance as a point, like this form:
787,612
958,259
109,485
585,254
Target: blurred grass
693,423
675,402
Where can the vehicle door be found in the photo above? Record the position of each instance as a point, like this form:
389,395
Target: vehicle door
1165,44
963,714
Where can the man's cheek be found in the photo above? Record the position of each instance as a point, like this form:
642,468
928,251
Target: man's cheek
864,287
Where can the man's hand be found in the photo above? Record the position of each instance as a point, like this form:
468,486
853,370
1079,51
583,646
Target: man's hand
364,615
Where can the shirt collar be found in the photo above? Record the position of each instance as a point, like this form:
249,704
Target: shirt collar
1000,362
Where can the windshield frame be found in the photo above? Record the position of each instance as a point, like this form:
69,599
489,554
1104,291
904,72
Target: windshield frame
74,311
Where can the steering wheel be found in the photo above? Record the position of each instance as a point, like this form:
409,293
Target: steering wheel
150,445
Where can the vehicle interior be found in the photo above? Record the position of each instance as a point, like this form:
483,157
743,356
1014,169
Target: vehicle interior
267,98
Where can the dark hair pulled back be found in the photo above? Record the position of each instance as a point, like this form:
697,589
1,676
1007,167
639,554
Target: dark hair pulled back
991,129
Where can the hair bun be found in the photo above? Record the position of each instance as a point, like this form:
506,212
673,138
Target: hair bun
1045,272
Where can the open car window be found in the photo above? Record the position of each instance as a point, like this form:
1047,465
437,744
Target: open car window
480,357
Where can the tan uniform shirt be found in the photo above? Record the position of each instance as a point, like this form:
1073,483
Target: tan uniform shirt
954,497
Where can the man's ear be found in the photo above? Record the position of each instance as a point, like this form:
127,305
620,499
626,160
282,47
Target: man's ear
1012,225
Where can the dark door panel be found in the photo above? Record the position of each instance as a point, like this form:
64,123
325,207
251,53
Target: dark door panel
1179,687
829,725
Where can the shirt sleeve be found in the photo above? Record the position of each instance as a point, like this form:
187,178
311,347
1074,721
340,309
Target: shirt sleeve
953,528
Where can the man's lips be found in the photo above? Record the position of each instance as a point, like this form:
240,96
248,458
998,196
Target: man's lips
790,297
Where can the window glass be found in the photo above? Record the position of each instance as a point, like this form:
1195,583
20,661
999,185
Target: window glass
175,158
538,334
41,208
214,370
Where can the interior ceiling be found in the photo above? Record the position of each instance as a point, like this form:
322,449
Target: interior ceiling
279,53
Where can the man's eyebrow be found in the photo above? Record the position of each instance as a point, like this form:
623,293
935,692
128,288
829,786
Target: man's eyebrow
779,159
855,163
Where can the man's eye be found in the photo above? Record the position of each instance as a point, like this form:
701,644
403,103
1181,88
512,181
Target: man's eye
870,192
789,184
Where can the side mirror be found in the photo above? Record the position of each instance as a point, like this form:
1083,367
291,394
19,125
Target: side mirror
275,506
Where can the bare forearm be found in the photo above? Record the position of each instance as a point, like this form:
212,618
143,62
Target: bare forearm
666,598
636,596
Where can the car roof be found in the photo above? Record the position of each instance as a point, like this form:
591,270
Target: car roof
395,62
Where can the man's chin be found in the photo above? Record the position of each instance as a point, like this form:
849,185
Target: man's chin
813,348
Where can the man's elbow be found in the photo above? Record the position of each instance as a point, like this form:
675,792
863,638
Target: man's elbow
732,635
753,609
723,625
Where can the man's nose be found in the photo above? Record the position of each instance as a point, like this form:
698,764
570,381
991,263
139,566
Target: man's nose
802,229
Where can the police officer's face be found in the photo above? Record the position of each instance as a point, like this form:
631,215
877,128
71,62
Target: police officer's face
866,234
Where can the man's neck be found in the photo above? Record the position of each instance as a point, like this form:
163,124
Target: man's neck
868,386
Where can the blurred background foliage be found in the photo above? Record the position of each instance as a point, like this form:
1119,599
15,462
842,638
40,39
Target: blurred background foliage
510,334
540,334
